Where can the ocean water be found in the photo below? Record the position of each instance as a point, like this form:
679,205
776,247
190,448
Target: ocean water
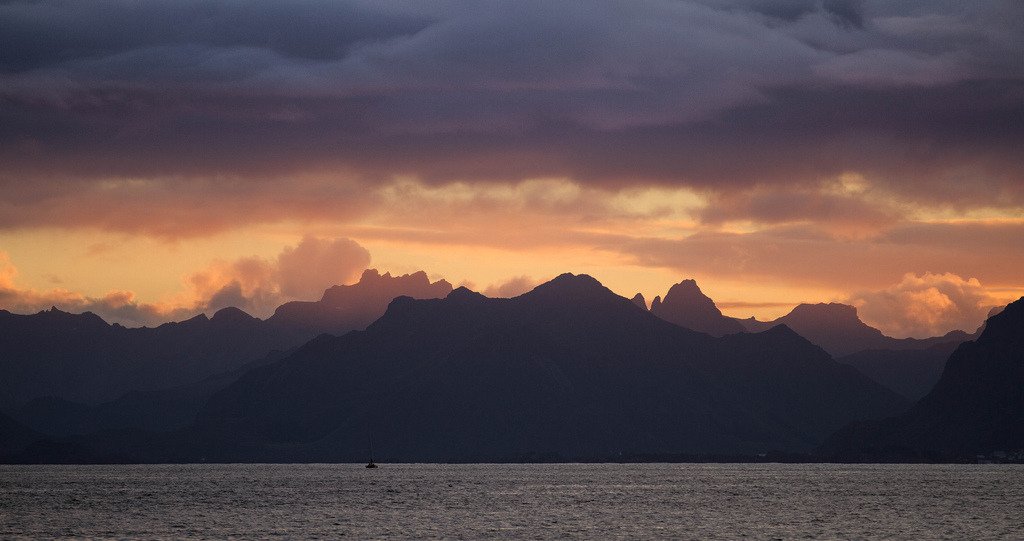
606,501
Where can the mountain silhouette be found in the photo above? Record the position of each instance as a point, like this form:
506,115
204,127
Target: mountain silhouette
639,300
838,330
351,307
686,306
910,372
77,372
155,410
14,436
977,407
568,369
81,358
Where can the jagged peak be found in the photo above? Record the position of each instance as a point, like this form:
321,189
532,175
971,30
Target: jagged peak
374,275
369,275
833,308
656,303
689,284
639,300
372,278
687,292
54,313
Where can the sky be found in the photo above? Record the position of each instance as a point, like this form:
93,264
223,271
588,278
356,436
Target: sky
161,158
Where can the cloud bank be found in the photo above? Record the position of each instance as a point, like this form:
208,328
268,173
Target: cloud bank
165,103
839,143
255,284
926,305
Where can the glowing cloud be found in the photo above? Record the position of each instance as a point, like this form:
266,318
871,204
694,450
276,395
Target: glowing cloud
926,305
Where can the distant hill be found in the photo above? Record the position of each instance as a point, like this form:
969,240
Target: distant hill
687,306
976,407
909,366
14,436
838,330
569,369
351,307
910,372
79,358
157,410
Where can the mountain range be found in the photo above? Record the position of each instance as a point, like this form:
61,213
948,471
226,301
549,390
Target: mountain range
569,370
350,307
72,373
977,407
687,306
837,329
834,327
907,366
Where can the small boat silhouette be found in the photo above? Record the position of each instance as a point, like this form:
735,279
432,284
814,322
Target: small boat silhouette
371,464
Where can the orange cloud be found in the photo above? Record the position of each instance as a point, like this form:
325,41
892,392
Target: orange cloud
255,284
115,306
512,287
259,285
926,305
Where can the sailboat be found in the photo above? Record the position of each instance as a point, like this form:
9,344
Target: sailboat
371,464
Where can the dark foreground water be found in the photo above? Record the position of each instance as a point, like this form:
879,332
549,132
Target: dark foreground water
699,501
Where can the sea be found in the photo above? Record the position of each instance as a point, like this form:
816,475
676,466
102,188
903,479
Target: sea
513,501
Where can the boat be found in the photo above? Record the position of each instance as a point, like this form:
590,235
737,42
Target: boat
371,464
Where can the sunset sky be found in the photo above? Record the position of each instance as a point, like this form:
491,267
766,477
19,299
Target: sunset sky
159,158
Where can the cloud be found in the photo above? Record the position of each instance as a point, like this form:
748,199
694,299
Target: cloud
513,287
704,136
803,254
208,115
115,306
255,284
926,305
306,270
827,206
259,285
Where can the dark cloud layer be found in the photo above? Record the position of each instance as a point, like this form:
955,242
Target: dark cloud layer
922,98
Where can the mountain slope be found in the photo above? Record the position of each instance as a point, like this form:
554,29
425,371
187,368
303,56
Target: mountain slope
569,369
351,307
157,410
686,306
14,436
80,358
911,373
976,407
838,330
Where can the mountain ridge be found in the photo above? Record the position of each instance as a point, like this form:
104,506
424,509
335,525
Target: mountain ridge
975,408
687,306
837,328
475,378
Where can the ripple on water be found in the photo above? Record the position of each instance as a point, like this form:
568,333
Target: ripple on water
677,501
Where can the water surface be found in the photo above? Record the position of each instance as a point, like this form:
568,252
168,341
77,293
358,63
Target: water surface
678,501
